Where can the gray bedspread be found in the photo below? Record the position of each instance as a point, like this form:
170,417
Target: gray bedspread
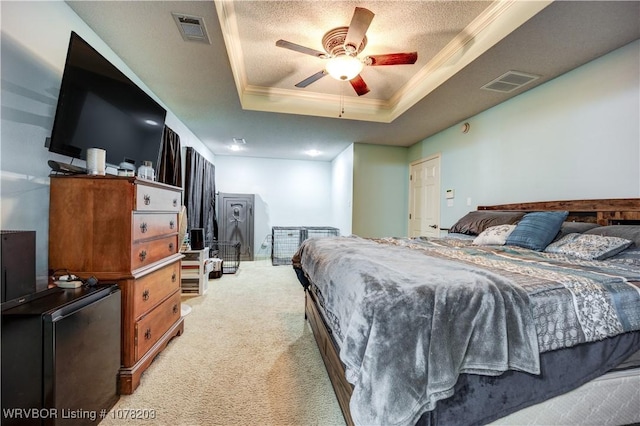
411,315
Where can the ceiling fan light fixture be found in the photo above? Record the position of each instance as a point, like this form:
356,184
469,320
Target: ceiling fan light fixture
344,67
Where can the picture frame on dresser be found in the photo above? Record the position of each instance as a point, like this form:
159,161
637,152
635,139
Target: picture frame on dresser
123,230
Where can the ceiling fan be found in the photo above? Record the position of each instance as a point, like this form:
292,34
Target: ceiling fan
342,46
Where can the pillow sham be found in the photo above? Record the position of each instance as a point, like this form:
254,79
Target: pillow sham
473,223
494,235
628,232
588,247
536,230
574,227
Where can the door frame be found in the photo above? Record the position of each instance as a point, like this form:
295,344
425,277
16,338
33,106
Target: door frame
437,156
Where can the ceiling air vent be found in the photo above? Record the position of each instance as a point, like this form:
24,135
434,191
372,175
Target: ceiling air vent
510,81
191,27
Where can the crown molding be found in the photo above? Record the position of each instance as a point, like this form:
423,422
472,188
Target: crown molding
496,22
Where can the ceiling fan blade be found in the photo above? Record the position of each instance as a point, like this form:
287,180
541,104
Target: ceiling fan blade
359,85
392,59
301,49
357,28
307,81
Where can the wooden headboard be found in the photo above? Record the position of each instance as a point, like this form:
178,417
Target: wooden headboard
608,211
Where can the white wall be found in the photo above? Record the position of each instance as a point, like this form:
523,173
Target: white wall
288,192
574,137
342,190
34,41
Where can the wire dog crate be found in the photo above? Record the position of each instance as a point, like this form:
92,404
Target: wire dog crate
229,252
285,240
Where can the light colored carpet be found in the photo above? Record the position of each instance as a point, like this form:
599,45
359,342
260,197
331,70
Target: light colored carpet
246,357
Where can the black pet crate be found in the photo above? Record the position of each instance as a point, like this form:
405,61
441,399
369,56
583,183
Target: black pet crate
229,252
285,240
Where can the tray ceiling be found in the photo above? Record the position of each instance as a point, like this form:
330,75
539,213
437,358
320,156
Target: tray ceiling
446,35
240,85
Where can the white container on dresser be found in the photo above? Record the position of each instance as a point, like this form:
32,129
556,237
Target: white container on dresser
196,266
123,230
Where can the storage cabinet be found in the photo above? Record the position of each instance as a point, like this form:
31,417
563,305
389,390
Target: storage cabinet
123,230
195,271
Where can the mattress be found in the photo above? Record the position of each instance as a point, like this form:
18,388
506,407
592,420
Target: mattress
591,404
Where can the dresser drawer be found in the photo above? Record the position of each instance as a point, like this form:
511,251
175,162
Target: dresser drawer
146,252
149,290
149,225
149,198
153,325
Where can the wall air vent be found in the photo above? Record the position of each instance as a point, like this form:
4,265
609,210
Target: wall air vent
191,27
510,81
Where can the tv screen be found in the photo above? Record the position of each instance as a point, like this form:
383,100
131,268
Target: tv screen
100,107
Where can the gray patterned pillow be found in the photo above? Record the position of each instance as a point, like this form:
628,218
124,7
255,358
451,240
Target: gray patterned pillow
628,232
588,247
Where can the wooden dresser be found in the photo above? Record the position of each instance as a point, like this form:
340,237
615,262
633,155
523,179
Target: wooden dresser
123,230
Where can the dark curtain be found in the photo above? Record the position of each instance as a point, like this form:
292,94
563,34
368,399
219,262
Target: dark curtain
170,163
199,195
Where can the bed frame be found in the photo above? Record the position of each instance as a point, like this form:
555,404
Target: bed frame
603,211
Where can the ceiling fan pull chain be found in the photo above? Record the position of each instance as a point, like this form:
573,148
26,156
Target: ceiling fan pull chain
341,100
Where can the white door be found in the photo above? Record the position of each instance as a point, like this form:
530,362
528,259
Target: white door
424,197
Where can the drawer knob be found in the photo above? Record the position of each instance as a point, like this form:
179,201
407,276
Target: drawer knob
175,308
143,255
145,295
143,227
173,277
171,247
175,202
172,224
147,199
147,334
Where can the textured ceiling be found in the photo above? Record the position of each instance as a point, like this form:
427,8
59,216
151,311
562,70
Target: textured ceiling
445,35
241,84
426,28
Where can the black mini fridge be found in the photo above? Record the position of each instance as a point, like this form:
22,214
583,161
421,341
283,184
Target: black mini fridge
61,356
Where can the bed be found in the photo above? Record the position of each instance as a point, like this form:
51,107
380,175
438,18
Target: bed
518,306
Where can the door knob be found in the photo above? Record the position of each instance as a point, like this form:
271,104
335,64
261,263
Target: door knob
433,226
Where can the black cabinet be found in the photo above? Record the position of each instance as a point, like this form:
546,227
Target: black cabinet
61,356
18,260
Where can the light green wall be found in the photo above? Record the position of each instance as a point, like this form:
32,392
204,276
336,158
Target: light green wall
380,191
574,137
342,190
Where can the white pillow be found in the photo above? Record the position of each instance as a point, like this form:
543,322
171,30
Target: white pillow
494,235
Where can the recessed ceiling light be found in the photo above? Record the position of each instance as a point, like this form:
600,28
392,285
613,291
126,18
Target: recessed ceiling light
313,152
239,141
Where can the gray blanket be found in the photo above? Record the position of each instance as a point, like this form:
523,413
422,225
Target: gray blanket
447,318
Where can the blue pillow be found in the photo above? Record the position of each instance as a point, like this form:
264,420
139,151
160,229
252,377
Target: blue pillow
536,230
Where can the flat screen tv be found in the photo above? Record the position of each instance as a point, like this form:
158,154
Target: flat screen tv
100,107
